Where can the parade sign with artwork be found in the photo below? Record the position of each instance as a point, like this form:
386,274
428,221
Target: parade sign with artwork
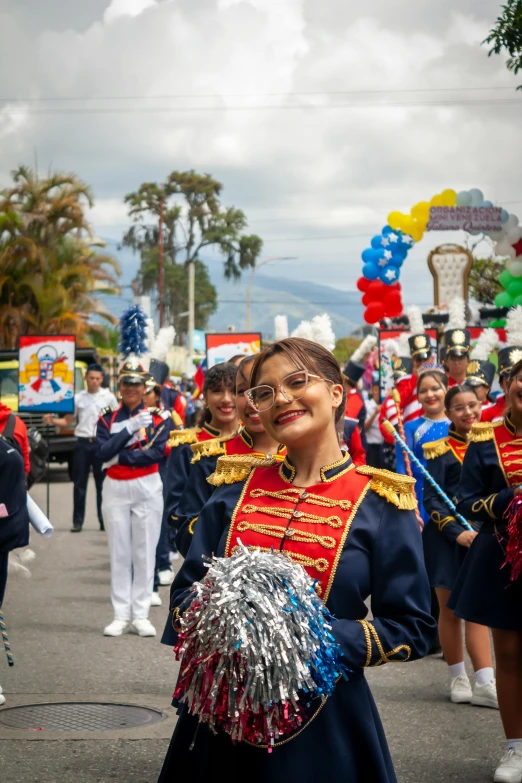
46,374
386,360
222,347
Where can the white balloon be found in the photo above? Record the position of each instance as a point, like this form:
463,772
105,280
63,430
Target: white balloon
497,236
514,234
515,267
503,248
512,221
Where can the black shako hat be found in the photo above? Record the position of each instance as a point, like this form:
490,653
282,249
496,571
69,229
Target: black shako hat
480,373
159,371
353,371
402,366
420,346
132,371
457,342
508,357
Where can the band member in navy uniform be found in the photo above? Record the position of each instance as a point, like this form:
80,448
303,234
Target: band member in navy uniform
172,399
480,374
377,551
131,441
250,440
355,408
446,543
483,592
507,357
352,441
457,345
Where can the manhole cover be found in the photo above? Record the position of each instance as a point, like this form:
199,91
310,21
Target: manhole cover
78,716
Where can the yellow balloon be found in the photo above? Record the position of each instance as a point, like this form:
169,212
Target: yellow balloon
417,232
394,220
421,211
450,197
407,224
437,201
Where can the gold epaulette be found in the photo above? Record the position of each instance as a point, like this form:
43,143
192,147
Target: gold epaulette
207,448
481,431
237,467
436,448
393,487
183,436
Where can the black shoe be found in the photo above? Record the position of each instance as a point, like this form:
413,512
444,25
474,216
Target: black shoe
76,529
102,527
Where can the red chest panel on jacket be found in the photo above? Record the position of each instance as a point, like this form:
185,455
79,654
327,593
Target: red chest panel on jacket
310,524
458,448
509,450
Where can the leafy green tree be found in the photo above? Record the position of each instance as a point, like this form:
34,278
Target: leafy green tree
483,279
507,35
344,347
189,210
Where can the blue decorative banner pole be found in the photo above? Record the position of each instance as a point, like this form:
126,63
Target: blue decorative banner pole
3,631
388,426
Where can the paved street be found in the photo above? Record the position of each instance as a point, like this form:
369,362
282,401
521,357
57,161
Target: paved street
55,622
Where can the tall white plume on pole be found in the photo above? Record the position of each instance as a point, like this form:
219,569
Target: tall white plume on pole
280,327
404,346
415,319
391,348
163,343
323,332
457,313
304,329
367,345
514,326
486,344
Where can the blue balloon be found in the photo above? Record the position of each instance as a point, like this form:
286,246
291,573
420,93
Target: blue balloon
389,274
376,241
485,204
371,271
386,230
464,198
400,250
368,255
396,260
505,216
477,197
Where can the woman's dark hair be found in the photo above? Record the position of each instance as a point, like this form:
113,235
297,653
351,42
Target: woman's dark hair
515,370
241,368
236,359
437,375
459,388
218,377
306,355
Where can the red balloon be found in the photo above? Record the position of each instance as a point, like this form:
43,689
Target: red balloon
518,247
367,299
393,312
363,283
376,287
374,312
393,299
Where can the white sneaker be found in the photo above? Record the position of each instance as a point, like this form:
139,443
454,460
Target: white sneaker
485,695
116,628
510,768
143,627
460,690
166,577
156,600
2,698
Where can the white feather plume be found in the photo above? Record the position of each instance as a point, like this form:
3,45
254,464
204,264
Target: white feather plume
404,346
149,339
364,348
514,326
391,347
163,343
415,319
486,344
457,313
281,327
304,329
322,331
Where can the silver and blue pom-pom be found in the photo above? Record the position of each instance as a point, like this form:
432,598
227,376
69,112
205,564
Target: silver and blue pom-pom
133,332
256,649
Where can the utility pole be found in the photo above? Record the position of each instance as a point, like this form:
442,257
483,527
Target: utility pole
161,280
251,279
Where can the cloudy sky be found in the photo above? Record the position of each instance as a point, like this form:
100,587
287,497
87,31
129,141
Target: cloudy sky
319,116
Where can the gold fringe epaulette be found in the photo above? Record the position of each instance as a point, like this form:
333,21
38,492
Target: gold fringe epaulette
481,431
436,448
393,487
237,467
207,448
183,436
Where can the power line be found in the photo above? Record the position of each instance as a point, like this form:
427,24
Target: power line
272,107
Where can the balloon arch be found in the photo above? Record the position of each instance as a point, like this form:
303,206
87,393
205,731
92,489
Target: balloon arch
382,261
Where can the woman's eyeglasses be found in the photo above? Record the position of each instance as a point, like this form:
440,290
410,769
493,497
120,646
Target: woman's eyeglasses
473,406
293,387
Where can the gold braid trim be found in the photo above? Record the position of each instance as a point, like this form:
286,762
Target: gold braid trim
234,468
183,436
369,628
481,431
207,448
439,520
320,563
191,525
286,513
393,487
278,531
294,495
485,504
436,448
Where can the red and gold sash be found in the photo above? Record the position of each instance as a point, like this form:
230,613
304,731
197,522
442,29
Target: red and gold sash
509,452
458,448
310,524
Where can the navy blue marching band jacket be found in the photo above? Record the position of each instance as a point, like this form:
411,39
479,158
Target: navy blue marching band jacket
442,555
377,552
139,454
491,471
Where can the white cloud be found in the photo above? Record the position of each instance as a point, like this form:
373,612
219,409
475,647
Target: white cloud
120,8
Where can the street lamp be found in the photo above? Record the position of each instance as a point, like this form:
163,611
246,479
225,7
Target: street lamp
251,278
